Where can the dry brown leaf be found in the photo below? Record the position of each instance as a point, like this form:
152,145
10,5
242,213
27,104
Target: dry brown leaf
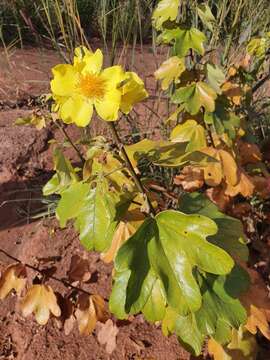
67,319
232,91
79,269
123,232
106,335
191,178
217,351
245,186
217,196
262,186
257,304
90,310
224,168
241,209
41,300
14,277
250,153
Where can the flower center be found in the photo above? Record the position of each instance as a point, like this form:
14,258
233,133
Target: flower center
92,86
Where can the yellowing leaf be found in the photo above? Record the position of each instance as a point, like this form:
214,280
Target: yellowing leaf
188,38
183,39
215,77
192,133
123,232
243,346
191,178
169,71
217,351
14,277
232,91
225,168
259,319
195,96
41,300
165,10
90,310
244,186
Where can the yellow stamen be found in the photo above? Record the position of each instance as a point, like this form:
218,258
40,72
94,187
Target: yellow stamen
92,86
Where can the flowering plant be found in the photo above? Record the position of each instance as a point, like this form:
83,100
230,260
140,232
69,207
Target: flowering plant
179,262
79,88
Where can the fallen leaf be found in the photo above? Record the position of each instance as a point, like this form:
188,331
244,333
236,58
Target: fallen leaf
191,178
106,335
79,269
90,310
249,153
169,71
258,319
232,91
41,300
14,277
257,304
218,197
123,232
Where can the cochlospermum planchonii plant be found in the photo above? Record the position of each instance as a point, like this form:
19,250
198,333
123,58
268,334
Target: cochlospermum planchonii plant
180,263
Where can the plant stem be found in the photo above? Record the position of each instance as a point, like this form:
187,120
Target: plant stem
70,140
64,282
135,177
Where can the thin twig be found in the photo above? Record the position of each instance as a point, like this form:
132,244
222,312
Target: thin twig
260,83
64,282
70,140
135,177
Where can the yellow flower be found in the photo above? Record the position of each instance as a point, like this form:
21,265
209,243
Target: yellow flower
133,91
79,88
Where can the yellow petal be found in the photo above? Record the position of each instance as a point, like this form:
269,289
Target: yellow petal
92,62
133,91
80,52
64,81
77,110
113,76
108,108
